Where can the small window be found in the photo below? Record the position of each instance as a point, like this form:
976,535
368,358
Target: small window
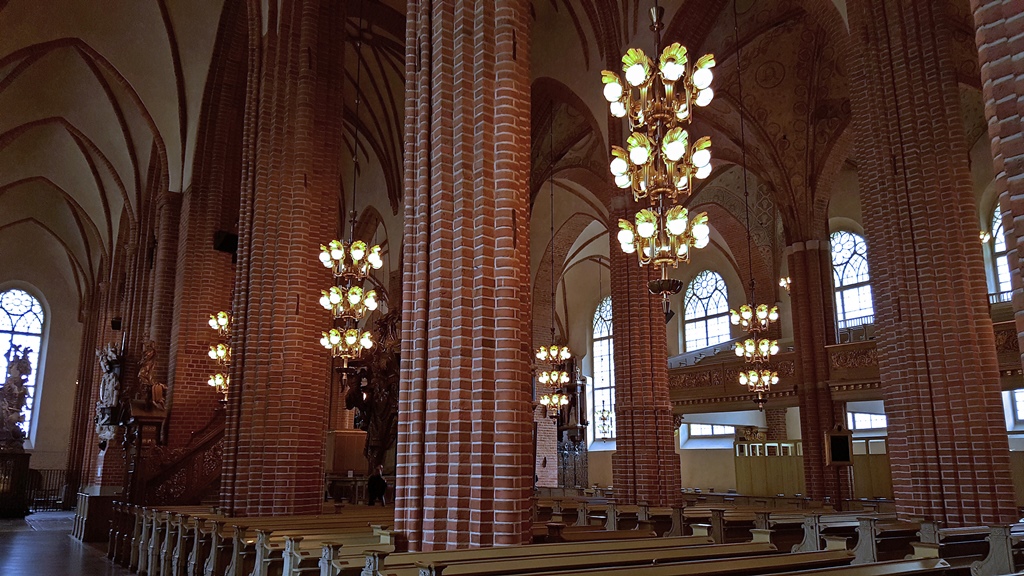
709,430
864,421
852,281
705,311
1018,406
999,260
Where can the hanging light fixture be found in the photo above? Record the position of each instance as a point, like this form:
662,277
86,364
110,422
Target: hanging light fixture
220,352
351,263
553,360
661,158
785,282
757,349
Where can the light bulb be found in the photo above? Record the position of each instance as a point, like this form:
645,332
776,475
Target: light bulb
702,78
366,342
358,250
683,250
701,157
639,155
623,181
676,226
618,109
371,300
338,255
636,74
612,91
704,97
672,70
627,248
701,231
619,166
773,314
645,229
703,172
351,337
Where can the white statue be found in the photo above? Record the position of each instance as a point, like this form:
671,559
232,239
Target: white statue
110,365
12,399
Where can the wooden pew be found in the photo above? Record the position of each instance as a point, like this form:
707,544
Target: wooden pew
293,550
245,533
383,562
1003,542
742,566
915,567
601,559
883,539
959,546
816,526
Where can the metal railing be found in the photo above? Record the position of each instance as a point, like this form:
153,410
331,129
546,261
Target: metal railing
999,297
46,490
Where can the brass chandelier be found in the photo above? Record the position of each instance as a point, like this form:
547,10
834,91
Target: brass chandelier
552,360
757,319
220,352
351,263
661,158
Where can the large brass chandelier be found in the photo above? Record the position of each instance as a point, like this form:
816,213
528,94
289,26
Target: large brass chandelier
220,352
351,263
758,348
661,158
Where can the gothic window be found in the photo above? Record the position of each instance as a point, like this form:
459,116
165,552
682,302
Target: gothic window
705,311
603,416
852,282
1002,265
21,323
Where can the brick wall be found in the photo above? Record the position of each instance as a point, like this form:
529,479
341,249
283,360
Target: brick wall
465,469
277,406
776,421
947,438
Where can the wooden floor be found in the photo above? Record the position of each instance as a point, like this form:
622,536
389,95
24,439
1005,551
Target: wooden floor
42,545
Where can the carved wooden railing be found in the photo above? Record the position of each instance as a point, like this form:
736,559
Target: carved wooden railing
185,475
712,384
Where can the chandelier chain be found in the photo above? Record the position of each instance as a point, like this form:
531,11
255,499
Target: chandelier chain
551,212
355,138
743,148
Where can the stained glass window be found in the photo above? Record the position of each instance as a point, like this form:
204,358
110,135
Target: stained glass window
705,311
21,323
852,281
604,370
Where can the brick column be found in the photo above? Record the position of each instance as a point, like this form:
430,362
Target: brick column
776,421
465,461
645,466
293,138
1000,38
168,213
947,438
813,305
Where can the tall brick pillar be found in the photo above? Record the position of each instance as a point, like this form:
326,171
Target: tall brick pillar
1000,38
168,213
813,305
274,442
947,438
465,461
645,466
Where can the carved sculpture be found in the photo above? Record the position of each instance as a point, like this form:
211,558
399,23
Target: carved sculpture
377,400
12,399
110,368
155,391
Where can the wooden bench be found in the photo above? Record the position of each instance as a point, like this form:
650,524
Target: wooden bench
1003,543
298,551
915,567
883,539
960,546
383,562
817,526
742,566
603,559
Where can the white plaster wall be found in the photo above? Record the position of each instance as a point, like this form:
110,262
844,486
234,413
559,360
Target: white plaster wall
33,261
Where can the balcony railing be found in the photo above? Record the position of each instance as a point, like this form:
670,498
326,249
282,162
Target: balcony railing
999,297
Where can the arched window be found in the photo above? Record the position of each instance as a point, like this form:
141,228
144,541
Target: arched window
21,323
850,272
1002,275
705,311
603,416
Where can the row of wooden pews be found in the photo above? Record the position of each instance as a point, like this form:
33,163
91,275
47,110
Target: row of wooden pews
197,541
639,557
